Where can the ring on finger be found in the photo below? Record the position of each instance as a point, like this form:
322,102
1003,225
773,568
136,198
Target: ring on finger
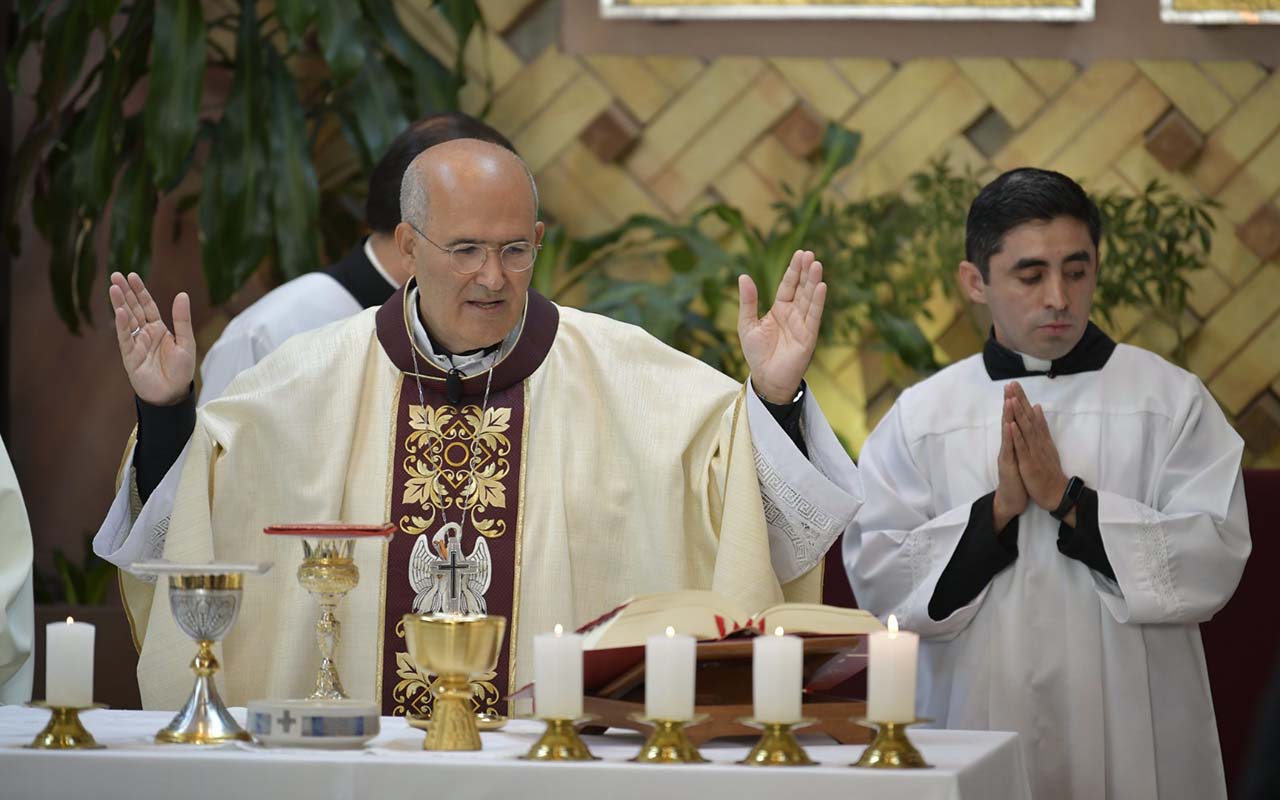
135,331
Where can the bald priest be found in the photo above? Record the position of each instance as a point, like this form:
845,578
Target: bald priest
575,460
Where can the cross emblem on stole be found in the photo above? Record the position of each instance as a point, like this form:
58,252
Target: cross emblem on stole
454,567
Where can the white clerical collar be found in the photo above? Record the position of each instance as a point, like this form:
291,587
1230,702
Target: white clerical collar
468,365
1033,364
373,259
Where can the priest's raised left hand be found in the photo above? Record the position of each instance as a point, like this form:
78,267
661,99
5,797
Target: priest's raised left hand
1038,460
779,346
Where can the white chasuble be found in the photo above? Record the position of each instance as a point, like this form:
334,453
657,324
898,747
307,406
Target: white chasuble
606,465
1103,679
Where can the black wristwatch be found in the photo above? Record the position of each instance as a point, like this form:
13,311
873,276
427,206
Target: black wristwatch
1075,488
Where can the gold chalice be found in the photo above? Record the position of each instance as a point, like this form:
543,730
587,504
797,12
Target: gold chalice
205,601
455,648
328,572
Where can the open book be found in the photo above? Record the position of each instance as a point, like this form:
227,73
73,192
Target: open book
707,616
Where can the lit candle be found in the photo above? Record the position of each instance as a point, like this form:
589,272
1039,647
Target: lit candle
891,679
557,675
68,660
668,676
776,665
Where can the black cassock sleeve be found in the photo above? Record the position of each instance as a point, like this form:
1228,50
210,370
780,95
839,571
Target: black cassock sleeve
162,433
1084,541
979,557
788,416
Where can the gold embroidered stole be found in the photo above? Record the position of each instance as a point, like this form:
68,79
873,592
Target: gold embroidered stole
457,471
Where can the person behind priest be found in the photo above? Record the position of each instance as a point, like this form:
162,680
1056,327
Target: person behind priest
1055,517
364,278
554,462
17,613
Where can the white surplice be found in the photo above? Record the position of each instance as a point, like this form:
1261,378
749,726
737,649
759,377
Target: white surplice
17,621
1105,681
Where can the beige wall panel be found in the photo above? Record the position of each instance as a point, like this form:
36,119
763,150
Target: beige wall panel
639,89
502,14
1254,184
1190,90
1208,290
1236,139
1247,375
819,83
1139,168
675,71
1048,74
956,105
562,194
1235,322
684,119
1237,78
961,155
724,141
1008,90
561,121
612,186
1092,150
744,188
531,90
777,166
863,74
896,101
1059,122
1229,256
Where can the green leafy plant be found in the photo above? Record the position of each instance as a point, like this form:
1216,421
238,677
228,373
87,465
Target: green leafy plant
84,583
302,76
1151,243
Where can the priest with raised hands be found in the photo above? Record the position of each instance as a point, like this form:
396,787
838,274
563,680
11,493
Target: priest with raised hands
1055,517
364,278
576,460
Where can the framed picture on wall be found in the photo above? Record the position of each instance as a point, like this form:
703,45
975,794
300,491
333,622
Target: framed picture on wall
1037,10
1221,12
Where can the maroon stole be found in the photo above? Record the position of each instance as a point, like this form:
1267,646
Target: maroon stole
431,470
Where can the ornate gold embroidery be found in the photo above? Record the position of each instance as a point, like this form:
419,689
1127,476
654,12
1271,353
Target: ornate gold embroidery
438,466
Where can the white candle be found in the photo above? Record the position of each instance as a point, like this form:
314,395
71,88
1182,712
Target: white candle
891,678
557,675
777,664
68,661
669,676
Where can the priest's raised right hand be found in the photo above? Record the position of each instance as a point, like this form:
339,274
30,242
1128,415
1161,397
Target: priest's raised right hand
160,364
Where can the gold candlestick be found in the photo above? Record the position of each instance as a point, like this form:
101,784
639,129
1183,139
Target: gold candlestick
64,731
777,746
667,742
560,742
454,648
891,749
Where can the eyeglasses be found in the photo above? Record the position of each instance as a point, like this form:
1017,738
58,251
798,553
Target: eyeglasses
469,258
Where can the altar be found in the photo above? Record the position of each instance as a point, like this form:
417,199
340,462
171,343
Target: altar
967,765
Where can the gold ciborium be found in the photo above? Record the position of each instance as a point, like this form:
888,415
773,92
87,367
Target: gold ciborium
455,648
205,601
328,572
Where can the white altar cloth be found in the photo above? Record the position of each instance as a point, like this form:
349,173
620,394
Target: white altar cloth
968,765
